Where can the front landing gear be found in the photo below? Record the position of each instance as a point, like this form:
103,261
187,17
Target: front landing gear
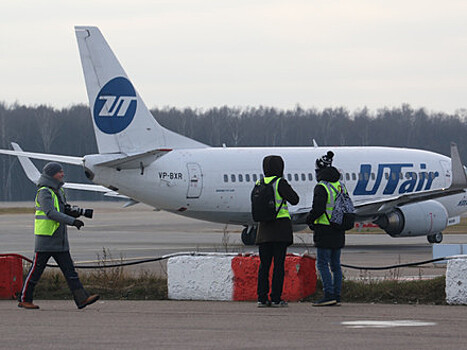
436,238
249,235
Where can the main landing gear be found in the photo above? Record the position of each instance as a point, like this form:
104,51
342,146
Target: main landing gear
435,238
249,235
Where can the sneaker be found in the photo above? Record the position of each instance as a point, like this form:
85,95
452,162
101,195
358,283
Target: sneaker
281,303
338,300
28,305
326,301
264,303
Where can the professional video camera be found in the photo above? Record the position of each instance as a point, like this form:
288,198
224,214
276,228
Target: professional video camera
76,211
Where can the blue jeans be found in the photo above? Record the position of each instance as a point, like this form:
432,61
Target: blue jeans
330,258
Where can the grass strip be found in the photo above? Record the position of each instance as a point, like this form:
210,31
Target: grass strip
115,284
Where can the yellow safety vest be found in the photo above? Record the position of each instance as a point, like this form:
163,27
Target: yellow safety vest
323,219
43,225
284,211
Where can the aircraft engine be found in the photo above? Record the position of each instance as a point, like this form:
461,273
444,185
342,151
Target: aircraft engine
417,219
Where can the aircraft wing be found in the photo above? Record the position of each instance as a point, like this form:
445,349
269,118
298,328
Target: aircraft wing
365,210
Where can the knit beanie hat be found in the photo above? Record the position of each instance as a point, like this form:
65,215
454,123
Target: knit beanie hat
51,169
325,161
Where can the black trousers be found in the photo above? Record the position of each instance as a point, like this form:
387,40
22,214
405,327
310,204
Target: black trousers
268,252
65,263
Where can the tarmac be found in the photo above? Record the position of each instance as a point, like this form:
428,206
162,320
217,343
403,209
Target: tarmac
230,325
140,232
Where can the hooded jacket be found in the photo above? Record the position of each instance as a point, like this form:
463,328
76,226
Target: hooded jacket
279,230
58,242
325,236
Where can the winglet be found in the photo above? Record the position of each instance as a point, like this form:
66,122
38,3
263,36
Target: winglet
459,178
29,168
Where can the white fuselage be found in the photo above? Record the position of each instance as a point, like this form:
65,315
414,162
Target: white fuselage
214,184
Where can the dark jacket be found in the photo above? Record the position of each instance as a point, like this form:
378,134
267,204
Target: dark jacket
58,242
279,230
325,236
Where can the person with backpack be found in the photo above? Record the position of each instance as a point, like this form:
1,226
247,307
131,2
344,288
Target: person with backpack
275,232
329,238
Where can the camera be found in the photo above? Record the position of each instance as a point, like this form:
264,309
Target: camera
77,211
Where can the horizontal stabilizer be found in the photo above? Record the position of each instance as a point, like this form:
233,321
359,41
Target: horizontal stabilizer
136,160
45,156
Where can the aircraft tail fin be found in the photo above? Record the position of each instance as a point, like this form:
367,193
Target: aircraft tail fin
122,122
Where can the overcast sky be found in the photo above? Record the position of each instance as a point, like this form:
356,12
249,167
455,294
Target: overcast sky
204,53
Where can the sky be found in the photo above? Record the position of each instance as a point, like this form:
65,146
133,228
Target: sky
239,53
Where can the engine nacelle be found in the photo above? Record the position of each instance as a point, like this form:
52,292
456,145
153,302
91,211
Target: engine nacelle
418,219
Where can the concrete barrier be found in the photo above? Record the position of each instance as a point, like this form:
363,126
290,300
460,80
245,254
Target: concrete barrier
234,277
445,250
456,280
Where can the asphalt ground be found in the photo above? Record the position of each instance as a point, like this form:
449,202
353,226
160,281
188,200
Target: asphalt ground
140,232
230,325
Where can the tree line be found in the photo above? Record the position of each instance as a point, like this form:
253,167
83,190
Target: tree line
69,131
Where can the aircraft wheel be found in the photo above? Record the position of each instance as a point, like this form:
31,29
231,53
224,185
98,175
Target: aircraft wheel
249,235
436,238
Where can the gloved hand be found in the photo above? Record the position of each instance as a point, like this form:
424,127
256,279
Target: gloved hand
309,222
78,224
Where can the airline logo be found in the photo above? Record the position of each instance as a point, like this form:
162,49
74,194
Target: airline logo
394,178
115,106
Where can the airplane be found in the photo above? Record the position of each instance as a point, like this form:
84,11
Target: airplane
406,192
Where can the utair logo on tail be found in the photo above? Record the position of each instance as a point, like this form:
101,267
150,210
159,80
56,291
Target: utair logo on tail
115,106
414,181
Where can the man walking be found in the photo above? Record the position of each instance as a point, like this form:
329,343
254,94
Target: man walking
328,239
51,238
276,235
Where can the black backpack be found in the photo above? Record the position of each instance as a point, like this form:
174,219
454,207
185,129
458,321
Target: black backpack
263,201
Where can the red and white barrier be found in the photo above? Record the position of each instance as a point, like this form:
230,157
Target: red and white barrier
214,276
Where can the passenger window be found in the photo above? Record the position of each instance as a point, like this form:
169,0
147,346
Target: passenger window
303,177
289,177
367,176
360,176
240,178
226,178
255,177
341,177
393,176
296,177
247,177
347,176
261,176
373,176
354,177
310,176
386,175
232,177
401,176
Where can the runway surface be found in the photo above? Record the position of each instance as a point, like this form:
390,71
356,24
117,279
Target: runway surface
139,231
230,325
